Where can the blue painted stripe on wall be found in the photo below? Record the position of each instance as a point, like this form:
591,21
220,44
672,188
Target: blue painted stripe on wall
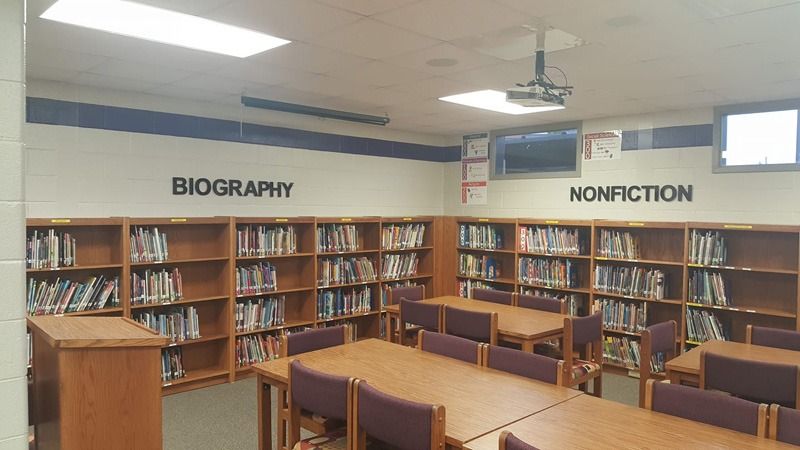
86,115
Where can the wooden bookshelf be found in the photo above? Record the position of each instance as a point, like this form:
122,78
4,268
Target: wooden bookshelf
575,293
200,249
661,246
760,276
475,246
295,269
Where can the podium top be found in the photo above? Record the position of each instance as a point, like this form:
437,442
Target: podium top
86,332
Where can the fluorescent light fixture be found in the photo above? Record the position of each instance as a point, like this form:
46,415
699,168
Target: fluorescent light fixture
161,25
494,101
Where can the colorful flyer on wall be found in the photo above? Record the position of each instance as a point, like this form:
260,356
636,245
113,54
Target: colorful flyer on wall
474,193
602,146
475,169
475,146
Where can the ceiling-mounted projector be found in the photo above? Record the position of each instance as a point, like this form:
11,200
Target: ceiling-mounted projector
541,91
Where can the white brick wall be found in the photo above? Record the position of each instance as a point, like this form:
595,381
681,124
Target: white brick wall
13,385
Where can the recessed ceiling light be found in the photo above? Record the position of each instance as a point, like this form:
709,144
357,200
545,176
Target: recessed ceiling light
161,25
495,101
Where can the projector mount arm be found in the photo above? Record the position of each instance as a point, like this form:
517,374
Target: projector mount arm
540,77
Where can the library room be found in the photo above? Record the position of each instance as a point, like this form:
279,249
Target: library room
399,224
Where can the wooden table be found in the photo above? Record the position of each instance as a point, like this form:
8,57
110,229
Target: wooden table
514,324
477,400
686,367
587,422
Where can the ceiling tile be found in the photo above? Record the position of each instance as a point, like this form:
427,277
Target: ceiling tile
309,58
139,71
260,72
324,85
498,76
223,85
436,87
179,90
459,59
380,74
372,39
367,7
39,72
60,58
382,97
110,82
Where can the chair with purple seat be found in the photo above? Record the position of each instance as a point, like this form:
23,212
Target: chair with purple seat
524,364
784,424
758,381
420,316
395,422
493,295
510,442
318,393
773,337
658,347
450,346
713,408
413,293
536,302
584,335
472,325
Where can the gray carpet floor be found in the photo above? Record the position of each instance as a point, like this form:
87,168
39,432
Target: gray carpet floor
223,417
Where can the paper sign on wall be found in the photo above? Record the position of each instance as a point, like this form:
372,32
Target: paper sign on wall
602,146
475,169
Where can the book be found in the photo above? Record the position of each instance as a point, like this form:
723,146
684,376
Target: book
553,273
486,237
254,349
631,281
709,288
702,326
479,266
148,245
465,287
551,240
618,245
623,351
574,301
337,238
265,240
50,249
340,270
260,313
619,315
256,278
333,303
707,248
62,296
400,237
172,364
178,324
394,265
156,286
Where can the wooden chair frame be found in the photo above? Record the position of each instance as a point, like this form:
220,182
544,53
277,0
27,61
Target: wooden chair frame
592,352
646,355
390,298
493,326
559,374
482,348
403,330
761,430
360,436
702,383
295,421
563,303
773,412
748,337
395,330
503,436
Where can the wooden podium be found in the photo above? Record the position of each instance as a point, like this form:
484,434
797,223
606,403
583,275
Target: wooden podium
97,383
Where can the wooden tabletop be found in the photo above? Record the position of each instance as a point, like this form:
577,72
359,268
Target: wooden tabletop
587,422
477,400
689,362
79,332
513,321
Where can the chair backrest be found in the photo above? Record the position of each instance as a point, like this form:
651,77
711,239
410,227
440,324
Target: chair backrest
713,408
658,338
320,393
400,423
758,381
524,364
773,337
510,442
472,325
425,315
450,346
553,305
413,293
493,295
784,424
308,341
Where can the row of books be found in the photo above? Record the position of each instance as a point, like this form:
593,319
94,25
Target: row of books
551,240
574,301
66,296
260,313
622,350
256,279
707,248
392,285
337,238
399,265
704,326
632,281
178,324
333,271
254,349
618,244
399,237
172,364
464,287
708,288
487,237
622,316
482,266
264,240
353,327
343,302
50,249
557,273
148,245
156,286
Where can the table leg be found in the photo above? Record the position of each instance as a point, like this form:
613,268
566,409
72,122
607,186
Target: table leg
283,418
264,414
388,327
527,346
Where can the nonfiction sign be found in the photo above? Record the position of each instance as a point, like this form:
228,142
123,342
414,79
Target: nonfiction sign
228,187
636,193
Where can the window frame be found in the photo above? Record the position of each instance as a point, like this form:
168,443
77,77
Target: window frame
751,108
577,125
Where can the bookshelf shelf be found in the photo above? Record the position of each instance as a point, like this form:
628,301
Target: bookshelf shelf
353,252
92,312
485,250
560,289
648,262
288,324
746,310
676,302
360,283
173,262
404,250
181,302
489,280
554,255
743,269
622,332
200,340
412,277
196,375
350,316
267,257
76,268
276,292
